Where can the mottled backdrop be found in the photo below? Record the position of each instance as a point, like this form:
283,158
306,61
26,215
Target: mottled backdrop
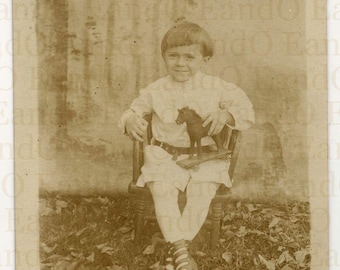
94,56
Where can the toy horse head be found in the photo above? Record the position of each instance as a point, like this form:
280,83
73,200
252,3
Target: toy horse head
187,115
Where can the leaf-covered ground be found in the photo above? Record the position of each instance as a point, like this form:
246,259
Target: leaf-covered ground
90,233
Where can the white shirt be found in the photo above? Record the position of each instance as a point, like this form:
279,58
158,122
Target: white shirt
203,93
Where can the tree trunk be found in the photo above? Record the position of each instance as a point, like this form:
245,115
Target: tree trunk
59,77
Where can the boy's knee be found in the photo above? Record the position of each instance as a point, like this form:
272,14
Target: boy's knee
211,189
161,189
202,190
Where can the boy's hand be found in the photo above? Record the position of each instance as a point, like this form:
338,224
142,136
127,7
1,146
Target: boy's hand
136,127
218,119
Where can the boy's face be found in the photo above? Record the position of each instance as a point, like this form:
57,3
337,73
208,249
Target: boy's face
183,62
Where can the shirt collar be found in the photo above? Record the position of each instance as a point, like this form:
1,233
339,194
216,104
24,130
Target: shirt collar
190,84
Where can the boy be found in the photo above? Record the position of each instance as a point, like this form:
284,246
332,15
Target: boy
186,47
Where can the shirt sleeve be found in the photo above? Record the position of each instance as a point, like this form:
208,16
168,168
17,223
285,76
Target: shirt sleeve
236,102
140,106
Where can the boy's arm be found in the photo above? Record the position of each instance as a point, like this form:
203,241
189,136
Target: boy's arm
218,120
236,102
140,106
122,120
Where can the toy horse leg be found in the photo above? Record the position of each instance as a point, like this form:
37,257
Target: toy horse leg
199,149
192,147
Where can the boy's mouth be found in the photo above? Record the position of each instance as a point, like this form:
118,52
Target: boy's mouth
181,71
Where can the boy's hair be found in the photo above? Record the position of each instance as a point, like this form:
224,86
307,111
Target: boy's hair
186,34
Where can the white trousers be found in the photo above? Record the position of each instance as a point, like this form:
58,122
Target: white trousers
174,225
159,167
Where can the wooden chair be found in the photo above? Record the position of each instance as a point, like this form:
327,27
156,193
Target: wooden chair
143,195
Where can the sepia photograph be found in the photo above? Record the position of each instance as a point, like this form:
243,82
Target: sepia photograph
168,134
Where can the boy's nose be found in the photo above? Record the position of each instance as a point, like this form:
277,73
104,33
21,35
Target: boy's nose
180,61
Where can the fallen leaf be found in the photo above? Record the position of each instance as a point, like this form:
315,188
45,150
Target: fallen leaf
293,219
45,211
269,264
107,250
48,249
300,255
295,209
227,217
288,257
124,229
239,204
286,238
46,266
91,257
274,240
132,235
278,229
116,267
76,254
72,266
80,232
281,259
241,232
245,215
82,267
93,225
256,232
83,241
226,227
228,257
53,258
274,222
200,254
104,200
61,204
229,235
155,265
88,200
60,265
281,248
286,267
150,249
251,207
101,246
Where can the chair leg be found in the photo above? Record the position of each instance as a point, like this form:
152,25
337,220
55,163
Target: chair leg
139,219
216,223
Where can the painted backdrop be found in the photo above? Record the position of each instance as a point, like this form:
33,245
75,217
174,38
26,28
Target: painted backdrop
94,56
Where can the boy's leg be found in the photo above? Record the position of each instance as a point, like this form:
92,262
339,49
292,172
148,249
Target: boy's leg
199,196
165,197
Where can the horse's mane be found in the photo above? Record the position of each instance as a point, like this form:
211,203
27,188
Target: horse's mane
194,114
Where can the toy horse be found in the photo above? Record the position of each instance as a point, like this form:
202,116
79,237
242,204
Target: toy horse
196,131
